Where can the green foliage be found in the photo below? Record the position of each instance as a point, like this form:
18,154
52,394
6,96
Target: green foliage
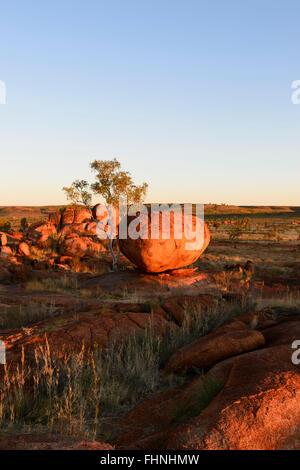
78,193
113,183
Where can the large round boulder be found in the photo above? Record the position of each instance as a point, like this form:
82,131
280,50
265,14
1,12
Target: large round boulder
158,248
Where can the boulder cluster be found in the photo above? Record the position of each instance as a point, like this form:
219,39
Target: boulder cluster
66,236
73,229
61,226
15,242
72,233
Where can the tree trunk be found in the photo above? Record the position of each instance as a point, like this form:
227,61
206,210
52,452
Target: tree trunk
110,242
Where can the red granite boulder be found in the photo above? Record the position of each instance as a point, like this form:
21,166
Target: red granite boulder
164,250
41,231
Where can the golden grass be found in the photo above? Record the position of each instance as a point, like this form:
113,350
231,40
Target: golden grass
63,284
76,394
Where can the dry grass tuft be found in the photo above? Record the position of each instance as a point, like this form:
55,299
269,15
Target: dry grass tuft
64,284
76,394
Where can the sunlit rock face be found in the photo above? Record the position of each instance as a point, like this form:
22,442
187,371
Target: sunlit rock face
159,246
39,232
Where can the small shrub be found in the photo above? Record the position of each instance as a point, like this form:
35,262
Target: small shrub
207,390
23,225
5,225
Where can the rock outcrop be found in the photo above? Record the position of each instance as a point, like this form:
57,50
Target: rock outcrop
39,232
80,246
3,239
228,340
75,215
167,251
258,409
24,249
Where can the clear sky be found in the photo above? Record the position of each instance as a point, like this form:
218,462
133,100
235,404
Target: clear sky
192,96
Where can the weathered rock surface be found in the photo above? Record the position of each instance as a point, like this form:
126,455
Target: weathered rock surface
258,320
41,231
226,341
158,255
67,333
18,235
3,239
7,239
73,228
151,285
80,246
55,218
65,336
75,215
24,249
148,426
252,404
285,332
5,251
88,321
292,442
258,408
91,228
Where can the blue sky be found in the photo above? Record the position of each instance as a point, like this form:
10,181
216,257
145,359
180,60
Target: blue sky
193,97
